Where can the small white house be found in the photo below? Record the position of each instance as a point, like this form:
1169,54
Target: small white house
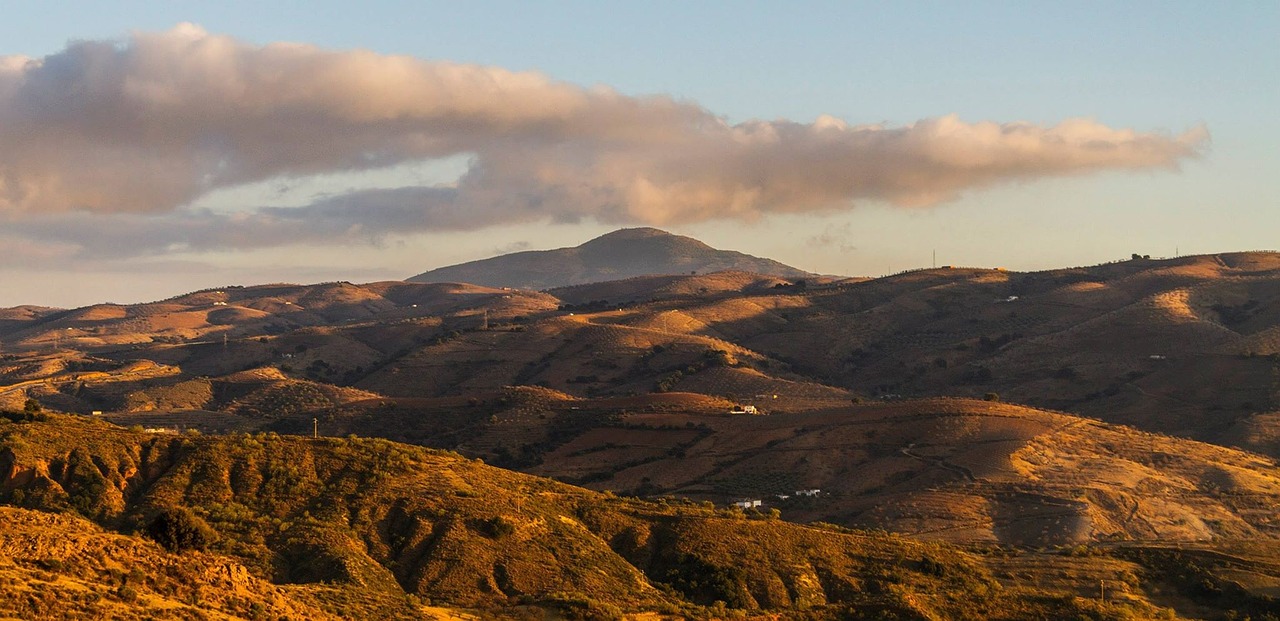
744,409
747,504
808,492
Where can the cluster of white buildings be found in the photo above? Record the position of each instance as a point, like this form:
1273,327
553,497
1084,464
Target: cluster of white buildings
755,503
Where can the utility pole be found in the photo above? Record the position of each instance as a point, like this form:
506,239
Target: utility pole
315,428
1102,591
484,327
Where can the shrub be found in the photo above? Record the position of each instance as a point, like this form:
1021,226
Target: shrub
980,375
991,396
179,529
23,417
705,582
496,527
576,606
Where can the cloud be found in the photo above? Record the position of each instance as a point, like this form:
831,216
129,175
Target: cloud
140,128
834,237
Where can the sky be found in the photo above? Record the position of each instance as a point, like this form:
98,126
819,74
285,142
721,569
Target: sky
152,148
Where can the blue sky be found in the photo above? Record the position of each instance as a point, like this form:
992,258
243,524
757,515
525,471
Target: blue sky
1162,67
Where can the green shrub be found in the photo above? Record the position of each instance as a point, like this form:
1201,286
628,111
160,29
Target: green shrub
496,527
24,416
179,529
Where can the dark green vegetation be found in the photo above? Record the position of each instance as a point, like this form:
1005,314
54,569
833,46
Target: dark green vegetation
178,529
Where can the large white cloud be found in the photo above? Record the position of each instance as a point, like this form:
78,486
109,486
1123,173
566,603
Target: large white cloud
140,128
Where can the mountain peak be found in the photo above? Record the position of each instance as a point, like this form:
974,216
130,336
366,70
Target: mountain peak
624,253
642,239
640,232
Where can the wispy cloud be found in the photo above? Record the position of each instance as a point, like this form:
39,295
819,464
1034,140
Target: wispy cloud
132,131
834,237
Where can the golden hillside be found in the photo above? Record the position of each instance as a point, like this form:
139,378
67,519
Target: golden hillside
354,527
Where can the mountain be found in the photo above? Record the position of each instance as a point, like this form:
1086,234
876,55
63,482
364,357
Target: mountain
1024,436
624,253
1187,346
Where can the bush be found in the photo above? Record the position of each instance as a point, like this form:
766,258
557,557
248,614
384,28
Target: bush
576,606
705,582
979,375
127,593
496,527
179,529
991,396
23,417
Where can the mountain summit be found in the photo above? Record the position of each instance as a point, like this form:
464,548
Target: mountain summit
624,253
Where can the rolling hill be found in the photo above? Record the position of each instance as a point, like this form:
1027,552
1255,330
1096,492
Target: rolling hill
301,528
1182,346
1042,431
950,469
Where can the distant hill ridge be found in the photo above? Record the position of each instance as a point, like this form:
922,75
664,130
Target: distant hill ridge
625,253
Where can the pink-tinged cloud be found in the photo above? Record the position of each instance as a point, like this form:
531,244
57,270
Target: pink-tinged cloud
149,124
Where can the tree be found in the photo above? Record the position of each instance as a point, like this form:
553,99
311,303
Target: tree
31,406
991,396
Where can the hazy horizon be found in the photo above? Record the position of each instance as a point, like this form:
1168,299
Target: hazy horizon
157,149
